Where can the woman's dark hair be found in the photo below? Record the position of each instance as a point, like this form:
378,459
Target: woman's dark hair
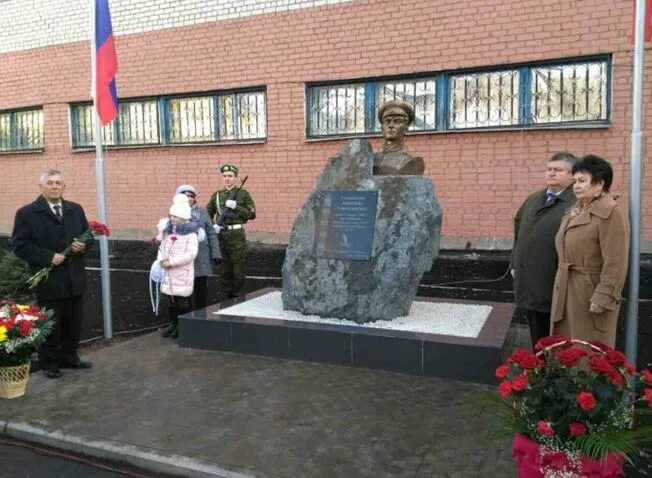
599,169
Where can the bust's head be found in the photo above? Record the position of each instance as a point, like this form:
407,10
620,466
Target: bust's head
396,108
395,117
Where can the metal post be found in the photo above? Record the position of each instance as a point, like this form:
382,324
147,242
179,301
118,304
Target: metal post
104,241
635,185
101,197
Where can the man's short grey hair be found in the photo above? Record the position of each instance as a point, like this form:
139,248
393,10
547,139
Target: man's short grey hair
569,158
48,173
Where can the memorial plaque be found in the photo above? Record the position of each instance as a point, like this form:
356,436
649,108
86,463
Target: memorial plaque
345,225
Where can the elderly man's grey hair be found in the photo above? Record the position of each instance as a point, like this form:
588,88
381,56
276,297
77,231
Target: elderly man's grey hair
48,173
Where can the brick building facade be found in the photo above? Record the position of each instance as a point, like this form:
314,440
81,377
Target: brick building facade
315,71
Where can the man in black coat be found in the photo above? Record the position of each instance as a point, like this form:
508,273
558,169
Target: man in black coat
42,230
534,257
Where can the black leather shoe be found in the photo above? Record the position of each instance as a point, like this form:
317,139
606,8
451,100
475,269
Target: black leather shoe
77,364
52,370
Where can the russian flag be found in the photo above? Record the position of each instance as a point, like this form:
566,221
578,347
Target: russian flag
105,63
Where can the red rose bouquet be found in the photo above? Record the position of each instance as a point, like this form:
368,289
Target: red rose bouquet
23,329
575,407
94,229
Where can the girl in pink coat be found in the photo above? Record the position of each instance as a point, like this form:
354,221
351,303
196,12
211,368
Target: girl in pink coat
176,256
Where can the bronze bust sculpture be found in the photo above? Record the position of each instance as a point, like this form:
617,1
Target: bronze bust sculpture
395,117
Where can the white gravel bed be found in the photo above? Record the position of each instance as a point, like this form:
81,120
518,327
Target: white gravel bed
429,317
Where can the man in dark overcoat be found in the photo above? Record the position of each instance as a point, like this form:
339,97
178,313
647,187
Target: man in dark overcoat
42,230
534,258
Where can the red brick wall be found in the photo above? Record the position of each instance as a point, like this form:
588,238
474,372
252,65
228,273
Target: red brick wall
480,178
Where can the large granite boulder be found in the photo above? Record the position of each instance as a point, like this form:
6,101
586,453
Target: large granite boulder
405,244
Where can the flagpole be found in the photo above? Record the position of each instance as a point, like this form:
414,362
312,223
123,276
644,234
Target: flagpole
635,185
101,201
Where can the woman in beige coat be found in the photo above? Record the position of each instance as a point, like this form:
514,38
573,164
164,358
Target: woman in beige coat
593,247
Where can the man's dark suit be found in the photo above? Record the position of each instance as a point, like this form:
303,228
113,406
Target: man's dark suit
37,236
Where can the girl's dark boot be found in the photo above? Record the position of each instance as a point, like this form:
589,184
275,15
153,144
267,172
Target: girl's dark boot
171,329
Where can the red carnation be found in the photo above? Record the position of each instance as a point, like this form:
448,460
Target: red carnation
648,396
518,356
545,429
570,357
173,238
600,365
577,429
530,362
519,383
505,388
25,327
586,401
99,229
548,341
616,377
647,376
616,358
502,371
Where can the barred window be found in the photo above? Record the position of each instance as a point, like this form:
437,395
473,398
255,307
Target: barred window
208,118
137,123
560,93
487,99
570,92
353,108
337,109
192,119
242,116
21,130
421,94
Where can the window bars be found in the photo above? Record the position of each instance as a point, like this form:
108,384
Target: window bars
21,130
215,118
564,93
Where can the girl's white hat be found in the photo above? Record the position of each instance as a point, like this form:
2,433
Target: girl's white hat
180,207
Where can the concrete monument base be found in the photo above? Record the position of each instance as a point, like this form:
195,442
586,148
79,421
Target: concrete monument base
444,338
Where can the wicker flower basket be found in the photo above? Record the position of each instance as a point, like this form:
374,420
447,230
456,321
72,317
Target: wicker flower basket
13,381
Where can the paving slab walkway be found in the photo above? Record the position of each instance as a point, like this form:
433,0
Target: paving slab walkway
205,414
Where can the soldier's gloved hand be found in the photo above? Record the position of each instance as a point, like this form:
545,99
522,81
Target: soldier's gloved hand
217,228
231,204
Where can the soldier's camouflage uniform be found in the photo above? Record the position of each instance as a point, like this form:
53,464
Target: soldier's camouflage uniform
233,241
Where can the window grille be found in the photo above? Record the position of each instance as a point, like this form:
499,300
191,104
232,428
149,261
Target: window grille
569,92
137,123
336,110
202,119
560,94
420,93
192,119
21,130
486,99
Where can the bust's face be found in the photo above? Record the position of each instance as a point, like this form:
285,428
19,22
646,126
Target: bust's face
394,124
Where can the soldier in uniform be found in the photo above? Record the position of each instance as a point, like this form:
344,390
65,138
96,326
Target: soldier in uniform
233,242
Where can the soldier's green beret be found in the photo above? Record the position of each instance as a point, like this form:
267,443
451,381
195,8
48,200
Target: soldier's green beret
229,168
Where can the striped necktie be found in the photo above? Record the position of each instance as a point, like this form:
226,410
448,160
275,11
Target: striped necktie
57,212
